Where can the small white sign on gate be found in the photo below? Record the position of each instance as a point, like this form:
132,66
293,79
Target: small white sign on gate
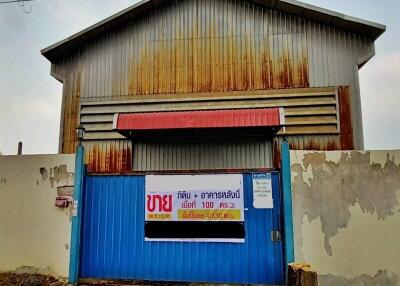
262,191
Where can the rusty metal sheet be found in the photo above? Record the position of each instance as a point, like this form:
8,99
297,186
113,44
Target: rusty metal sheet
305,142
70,117
197,46
346,126
212,48
108,156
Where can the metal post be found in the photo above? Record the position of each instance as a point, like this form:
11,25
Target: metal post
20,148
287,204
76,216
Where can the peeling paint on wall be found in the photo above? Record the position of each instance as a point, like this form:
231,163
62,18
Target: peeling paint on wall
60,173
43,172
382,278
324,190
56,175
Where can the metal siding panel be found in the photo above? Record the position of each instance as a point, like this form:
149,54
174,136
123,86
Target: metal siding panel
71,110
346,126
182,106
259,117
113,243
189,55
307,102
209,46
108,156
305,142
103,135
157,156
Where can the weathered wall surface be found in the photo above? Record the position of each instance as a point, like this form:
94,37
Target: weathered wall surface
346,215
34,234
213,48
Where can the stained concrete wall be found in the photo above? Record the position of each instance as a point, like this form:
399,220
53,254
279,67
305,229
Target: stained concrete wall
34,233
346,215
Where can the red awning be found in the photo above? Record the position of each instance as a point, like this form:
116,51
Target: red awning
260,117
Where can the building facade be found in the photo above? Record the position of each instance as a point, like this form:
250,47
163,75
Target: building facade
212,55
185,106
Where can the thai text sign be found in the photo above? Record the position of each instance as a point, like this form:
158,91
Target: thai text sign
194,198
262,191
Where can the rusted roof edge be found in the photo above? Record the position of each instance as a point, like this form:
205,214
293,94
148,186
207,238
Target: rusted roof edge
342,21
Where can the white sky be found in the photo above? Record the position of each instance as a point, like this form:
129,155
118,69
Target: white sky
30,99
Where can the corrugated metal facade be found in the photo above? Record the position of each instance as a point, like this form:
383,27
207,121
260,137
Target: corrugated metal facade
220,48
202,155
113,244
108,156
306,110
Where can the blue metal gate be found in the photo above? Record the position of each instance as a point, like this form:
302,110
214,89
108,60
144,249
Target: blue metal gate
113,244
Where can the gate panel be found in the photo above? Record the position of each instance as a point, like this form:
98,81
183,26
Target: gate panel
113,243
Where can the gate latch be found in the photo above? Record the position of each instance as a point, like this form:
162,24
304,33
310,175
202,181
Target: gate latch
275,235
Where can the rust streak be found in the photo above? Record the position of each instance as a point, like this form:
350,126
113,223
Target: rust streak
307,143
71,115
213,63
110,159
346,127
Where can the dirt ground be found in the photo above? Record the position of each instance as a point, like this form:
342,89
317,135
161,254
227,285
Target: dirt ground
95,282
14,279
43,280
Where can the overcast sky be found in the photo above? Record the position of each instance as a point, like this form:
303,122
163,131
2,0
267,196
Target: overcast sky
30,99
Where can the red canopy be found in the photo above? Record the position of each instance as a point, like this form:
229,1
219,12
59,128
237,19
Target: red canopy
257,117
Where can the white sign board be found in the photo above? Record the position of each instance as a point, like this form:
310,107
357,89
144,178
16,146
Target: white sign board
194,198
262,191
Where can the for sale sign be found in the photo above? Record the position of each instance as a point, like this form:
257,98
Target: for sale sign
194,198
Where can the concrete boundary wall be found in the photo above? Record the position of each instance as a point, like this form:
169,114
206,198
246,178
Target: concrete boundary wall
346,215
34,233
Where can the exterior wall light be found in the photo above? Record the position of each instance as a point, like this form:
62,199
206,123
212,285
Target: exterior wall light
80,132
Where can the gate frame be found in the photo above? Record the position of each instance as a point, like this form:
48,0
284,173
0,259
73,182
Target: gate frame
75,245
288,242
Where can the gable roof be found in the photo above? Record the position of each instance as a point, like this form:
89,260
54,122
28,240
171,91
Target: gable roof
341,21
